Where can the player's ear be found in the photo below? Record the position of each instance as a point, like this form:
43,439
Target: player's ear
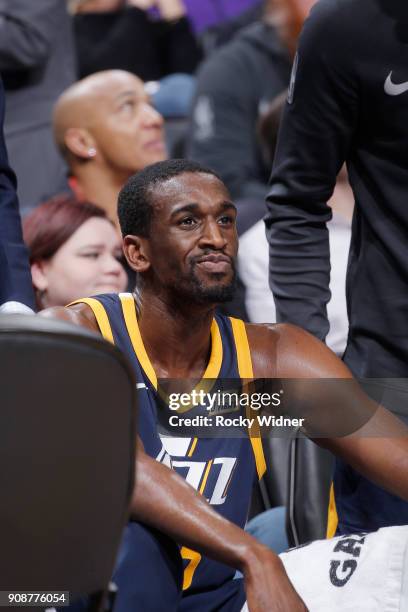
39,275
137,253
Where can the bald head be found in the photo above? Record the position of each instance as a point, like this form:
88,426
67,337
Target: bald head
107,118
74,107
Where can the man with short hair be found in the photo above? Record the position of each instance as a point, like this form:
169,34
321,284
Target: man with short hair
178,222
107,130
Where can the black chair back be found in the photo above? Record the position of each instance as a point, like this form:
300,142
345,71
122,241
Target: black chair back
67,449
309,478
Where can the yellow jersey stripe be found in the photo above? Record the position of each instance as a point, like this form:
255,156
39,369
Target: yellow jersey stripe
246,372
242,348
192,447
129,314
332,517
100,315
214,365
205,477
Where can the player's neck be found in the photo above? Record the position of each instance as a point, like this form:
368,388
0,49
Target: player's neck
177,336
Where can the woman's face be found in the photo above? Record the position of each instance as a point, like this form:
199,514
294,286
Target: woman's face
86,264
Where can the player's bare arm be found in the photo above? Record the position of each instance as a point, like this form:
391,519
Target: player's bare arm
78,314
163,500
379,447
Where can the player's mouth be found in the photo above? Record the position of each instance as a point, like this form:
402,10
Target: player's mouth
215,263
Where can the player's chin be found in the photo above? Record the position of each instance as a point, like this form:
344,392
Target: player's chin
218,291
218,286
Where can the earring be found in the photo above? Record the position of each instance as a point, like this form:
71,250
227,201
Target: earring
91,152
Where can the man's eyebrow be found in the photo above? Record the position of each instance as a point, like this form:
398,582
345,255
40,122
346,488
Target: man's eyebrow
193,207
185,208
228,206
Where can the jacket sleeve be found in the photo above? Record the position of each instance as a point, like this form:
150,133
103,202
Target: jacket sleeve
316,134
27,29
15,277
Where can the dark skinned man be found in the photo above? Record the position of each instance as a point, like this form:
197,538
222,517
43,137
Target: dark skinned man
179,233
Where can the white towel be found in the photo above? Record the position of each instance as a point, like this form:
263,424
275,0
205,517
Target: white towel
353,573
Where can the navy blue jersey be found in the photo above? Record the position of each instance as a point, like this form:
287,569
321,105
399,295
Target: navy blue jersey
221,469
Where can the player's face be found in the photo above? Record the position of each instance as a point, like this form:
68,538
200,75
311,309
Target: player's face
128,132
86,264
193,240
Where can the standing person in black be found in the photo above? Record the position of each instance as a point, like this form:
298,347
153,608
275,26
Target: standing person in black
348,101
16,291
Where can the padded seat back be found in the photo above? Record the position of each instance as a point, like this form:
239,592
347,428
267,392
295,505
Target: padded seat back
67,449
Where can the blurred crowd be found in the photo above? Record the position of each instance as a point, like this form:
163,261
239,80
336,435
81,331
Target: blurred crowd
96,90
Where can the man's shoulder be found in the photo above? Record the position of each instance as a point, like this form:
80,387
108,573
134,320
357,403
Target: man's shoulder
340,15
287,351
78,314
267,342
332,36
343,9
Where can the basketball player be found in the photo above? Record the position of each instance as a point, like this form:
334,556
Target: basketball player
179,233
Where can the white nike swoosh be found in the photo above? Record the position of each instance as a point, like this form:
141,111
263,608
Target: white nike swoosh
394,89
141,386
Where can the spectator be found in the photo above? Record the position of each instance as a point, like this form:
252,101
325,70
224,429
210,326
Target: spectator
16,293
107,131
234,85
118,34
75,251
348,103
37,63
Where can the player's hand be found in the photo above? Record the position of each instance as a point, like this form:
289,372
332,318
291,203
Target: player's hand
267,586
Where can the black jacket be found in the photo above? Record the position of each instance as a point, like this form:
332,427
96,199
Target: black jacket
348,105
